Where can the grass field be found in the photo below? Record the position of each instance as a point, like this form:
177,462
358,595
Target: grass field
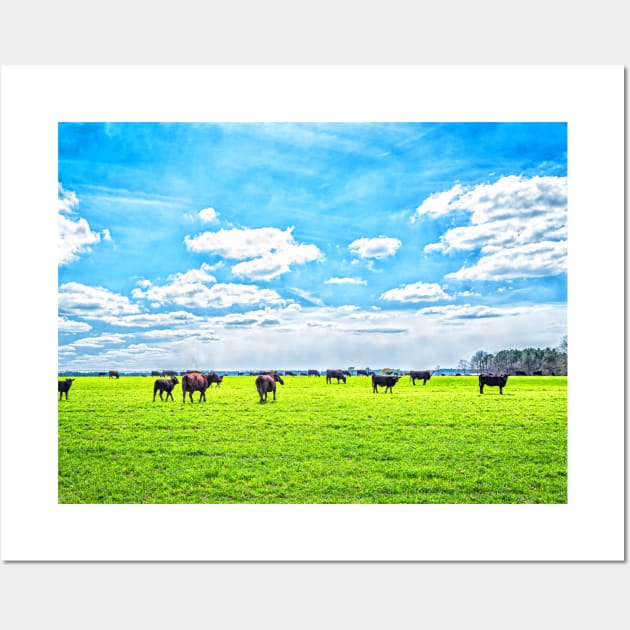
317,443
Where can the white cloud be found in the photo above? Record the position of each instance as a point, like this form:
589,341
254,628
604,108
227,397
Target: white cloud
208,215
439,204
533,260
76,299
190,290
267,252
147,320
345,281
468,311
75,237
98,342
71,326
518,224
379,247
417,292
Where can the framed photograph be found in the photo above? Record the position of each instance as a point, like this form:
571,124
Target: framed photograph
313,313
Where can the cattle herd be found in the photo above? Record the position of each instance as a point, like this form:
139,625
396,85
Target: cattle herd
193,381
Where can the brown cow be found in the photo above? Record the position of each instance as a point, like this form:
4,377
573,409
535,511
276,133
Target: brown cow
266,383
194,382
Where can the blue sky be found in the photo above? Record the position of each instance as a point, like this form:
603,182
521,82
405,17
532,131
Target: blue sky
293,246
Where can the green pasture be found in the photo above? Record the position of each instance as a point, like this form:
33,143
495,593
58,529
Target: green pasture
317,443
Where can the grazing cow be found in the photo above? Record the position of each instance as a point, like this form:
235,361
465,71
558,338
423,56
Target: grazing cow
194,382
266,383
165,385
213,377
384,380
420,375
63,387
492,380
338,374
114,374
313,373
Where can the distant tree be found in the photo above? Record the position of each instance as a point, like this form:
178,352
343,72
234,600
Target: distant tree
478,360
564,345
463,366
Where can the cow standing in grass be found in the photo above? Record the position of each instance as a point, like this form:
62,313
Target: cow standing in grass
492,380
165,385
384,380
419,375
213,377
340,375
194,382
114,374
64,386
266,383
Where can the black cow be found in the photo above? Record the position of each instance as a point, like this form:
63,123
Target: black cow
213,377
338,374
363,373
420,375
164,385
492,380
313,373
266,383
384,380
194,382
63,387
114,374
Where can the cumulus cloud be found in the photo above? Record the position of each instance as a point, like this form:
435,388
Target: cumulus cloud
190,289
417,292
208,215
379,247
518,224
533,260
81,300
345,281
75,236
267,252
70,326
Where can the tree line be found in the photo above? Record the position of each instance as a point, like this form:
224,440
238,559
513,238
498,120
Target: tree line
546,361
